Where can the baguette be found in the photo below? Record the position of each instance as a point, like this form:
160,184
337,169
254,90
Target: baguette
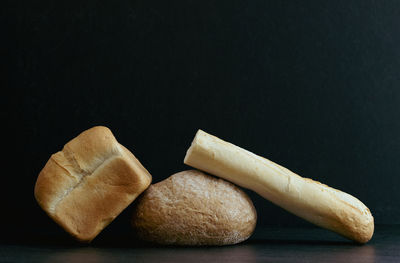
308,199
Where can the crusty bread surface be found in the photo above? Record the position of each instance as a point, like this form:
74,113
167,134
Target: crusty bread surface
87,184
192,208
311,200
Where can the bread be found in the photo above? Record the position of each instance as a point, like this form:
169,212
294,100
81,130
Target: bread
192,208
311,200
87,184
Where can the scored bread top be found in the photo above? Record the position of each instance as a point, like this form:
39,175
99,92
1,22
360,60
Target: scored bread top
87,184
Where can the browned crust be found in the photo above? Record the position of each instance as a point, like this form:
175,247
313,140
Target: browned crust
192,208
87,184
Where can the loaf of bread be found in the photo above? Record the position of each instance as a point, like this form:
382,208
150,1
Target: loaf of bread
311,200
192,208
87,184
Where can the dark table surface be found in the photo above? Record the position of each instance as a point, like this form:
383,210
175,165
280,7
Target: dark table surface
268,244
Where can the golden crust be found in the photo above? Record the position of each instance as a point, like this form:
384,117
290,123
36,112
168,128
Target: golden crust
87,184
192,208
311,200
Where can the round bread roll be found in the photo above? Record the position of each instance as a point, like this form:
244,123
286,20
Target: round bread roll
192,208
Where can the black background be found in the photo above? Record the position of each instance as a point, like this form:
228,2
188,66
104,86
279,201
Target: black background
311,85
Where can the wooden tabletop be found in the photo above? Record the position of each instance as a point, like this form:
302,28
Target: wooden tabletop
268,244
